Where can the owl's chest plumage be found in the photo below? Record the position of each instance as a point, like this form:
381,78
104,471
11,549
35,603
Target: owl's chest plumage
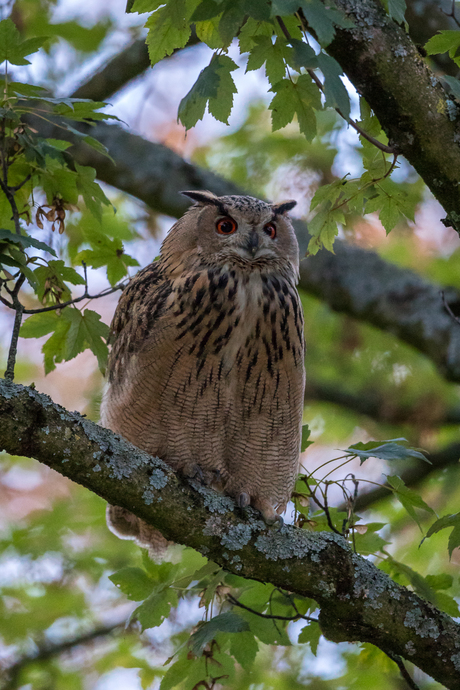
217,380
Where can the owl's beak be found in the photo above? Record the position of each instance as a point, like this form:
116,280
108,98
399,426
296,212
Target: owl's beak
252,244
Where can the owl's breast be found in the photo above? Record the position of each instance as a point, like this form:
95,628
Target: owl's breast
240,316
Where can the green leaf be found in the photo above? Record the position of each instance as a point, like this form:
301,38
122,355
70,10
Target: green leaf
443,523
107,252
189,673
310,634
396,9
385,450
303,55
29,90
443,42
334,89
208,33
12,48
52,278
323,20
134,582
299,98
39,325
214,86
408,498
87,330
91,192
244,648
273,55
369,542
155,609
305,436
231,20
169,29
267,630
25,241
440,581
418,582
228,622
73,332
324,228
207,9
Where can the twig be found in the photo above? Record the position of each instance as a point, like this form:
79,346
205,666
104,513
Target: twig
61,305
9,373
352,123
10,196
235,602
447,308
46,651
451,13
21,184
403,670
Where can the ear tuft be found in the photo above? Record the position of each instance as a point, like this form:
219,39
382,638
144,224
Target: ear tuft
284,207
203,197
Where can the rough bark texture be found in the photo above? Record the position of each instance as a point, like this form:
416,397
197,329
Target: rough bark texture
358,602
385,67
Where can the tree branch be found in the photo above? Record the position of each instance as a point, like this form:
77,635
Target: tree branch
120,70
46,651
383,406
385,67
353,280
358,602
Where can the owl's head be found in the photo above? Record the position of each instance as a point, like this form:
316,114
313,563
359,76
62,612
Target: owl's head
237,228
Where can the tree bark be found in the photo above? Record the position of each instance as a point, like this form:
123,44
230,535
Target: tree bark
358,602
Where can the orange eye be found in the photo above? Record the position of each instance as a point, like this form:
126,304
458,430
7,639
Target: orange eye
225,226
270,229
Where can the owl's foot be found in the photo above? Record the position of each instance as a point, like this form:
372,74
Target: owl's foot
269,514
193,471
243,499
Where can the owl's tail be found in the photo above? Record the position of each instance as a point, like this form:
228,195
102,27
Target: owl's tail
125,525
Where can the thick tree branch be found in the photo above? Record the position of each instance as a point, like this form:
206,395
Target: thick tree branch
353,280
385,67
383,406
358,602
120,70
11,674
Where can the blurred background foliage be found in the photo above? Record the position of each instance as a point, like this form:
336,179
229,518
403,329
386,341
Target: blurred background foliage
63,622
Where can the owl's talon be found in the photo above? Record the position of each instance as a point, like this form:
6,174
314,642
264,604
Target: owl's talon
194,471
243,499
280,522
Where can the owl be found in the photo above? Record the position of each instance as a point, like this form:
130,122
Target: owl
206,369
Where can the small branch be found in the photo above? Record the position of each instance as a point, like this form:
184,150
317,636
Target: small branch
10,196
61,305
235,602
403,670
48,650
451,13
9,373
448,309
352,123
21,184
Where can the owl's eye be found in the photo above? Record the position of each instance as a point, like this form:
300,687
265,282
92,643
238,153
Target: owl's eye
225,226
270,229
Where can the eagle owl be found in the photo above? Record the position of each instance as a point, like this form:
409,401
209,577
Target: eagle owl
207,363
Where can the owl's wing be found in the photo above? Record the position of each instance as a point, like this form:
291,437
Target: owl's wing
140,306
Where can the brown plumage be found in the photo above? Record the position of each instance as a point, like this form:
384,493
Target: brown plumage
207,363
